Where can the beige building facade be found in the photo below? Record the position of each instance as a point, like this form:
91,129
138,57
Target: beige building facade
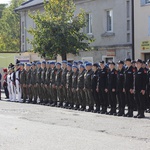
142,29
108,21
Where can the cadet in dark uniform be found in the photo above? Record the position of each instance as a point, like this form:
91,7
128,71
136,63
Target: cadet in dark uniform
88,87
63,82
129,86
148,86
102,87
94,87
52,84
74,87
47,84
140,88
38,80
120,88
80,87
33,83
28,82
58,84
69,86
112,86
23,82
43,99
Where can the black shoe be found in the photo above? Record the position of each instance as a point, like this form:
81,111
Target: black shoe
53,105
141,116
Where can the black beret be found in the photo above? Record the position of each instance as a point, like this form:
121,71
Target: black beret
96,65
128,59
120,62
111,62
102,62
139,60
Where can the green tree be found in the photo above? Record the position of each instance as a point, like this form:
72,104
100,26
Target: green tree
2,7
10,28
58,31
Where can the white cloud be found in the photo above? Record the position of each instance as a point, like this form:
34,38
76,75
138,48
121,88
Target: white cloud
5,1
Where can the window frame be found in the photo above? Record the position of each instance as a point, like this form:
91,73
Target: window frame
110,11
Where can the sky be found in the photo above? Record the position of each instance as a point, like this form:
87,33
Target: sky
4,1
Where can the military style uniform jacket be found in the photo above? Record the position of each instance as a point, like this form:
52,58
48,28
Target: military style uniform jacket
38,75
88,79
12,77
75,79
28,77
33,76
102,78
52,75
43,75
58,77
69,79
129,78
95,79
80,84
120,80
140,79
112,79
17,74
63,77
47,76
23,77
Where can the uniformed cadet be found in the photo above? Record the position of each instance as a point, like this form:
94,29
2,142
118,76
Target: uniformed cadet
74,87
17,80
38,81
95,75
112,86
28,82
33,83
80,88
47,84
88,87
102,87
58,78
23,82
63,82
129,87
52,84
148,87
69,86
9,83
13,84
43,89
140,88
120,88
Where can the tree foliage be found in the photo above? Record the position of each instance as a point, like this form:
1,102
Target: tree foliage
10,27
58,30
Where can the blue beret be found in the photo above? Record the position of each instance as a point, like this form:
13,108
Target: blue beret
74,66
69,64
28,64
64,61
82,66
52,63
33,64
80,62
38,63
88,64
58,63
43,62
21,64
47,62
75,63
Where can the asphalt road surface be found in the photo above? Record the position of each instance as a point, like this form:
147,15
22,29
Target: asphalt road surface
36,127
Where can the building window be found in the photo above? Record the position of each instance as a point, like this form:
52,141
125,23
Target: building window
128,37
144,2
147,1
128,9
109,18
89,23
23,39
149,26
128,25
22,27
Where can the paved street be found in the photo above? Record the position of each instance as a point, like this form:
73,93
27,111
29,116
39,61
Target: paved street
35,127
